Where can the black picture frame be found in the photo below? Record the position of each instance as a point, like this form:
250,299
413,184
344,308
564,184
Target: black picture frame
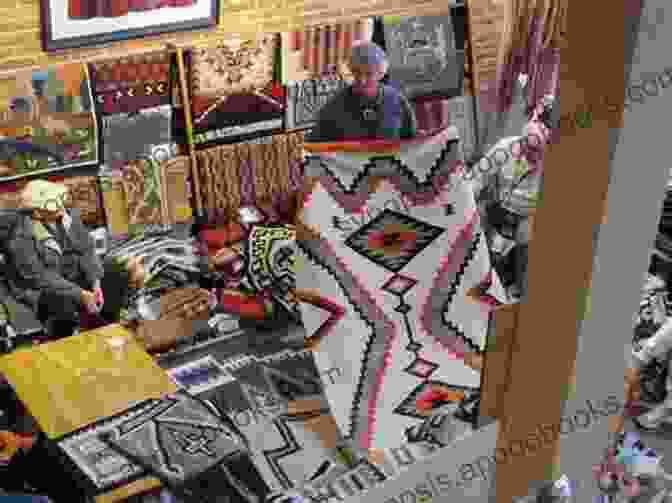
50,44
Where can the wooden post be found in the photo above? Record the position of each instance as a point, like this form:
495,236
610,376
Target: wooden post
576,179
186,107
500,347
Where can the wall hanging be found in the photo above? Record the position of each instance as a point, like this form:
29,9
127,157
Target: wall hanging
424,55
68,24
233,89
47,121
321,50
132,83
306,98
261,174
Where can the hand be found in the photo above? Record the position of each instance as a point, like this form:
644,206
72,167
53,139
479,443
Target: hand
98,294
474,361
88,301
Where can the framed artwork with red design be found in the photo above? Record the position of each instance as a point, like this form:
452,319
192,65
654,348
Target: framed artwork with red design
69,24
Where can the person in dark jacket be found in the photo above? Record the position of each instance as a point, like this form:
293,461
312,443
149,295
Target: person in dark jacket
51,265
367,109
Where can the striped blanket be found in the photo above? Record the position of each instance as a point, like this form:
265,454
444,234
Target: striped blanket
389,244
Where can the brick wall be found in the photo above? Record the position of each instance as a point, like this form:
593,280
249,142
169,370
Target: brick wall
20,43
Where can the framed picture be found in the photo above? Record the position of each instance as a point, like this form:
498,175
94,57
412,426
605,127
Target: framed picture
68,24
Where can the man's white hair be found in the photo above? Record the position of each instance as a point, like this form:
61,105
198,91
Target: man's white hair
368,54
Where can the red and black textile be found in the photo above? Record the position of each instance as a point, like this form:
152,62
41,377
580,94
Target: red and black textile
90,9
132,83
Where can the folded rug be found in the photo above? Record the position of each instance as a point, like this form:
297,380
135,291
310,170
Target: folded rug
389,244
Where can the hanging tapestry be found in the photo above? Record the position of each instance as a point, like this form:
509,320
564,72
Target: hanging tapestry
389,244
129,137
259,174
423,55
132,83
142,188
114,202
178,436
322,50
234,90
175,189
47,121
233,67
306,98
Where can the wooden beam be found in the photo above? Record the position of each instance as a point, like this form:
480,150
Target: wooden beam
497,361
576,178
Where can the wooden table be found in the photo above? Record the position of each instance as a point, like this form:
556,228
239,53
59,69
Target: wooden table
74,382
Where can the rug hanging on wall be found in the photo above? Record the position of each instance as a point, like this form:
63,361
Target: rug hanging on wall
260,174
322,50
389,243
132,83
424,57
132,96
234,90
306,98
47,121
129,137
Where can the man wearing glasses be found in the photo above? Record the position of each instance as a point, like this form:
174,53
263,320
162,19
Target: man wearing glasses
51,263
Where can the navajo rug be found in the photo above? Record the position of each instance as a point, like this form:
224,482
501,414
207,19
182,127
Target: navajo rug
389,243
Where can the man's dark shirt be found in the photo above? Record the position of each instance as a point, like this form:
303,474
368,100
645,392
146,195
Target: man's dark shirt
342,118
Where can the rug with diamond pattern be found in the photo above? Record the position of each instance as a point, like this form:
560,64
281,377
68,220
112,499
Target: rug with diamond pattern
389,244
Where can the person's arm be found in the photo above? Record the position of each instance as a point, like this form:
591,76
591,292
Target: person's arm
409,125
24,259
89,261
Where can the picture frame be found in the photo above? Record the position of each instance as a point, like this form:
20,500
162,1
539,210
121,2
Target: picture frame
74,24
